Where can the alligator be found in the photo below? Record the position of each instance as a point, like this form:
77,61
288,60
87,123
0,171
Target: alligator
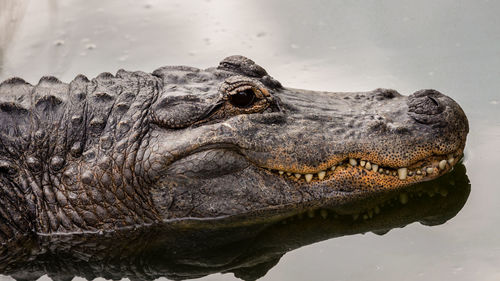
192,249
137,149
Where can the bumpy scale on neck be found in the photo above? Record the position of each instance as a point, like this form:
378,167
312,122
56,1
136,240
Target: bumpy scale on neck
68,153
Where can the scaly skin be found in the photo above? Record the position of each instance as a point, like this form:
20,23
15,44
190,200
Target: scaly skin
138,149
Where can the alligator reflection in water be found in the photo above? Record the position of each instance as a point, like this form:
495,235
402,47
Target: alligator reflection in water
190,249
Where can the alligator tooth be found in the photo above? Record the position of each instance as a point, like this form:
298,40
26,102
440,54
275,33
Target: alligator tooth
333,168
402,172
309,177
387,172
410,173
430,170
394,173
403,198
280,172
298,175
368,165
451,159
419,172
374,167
353,162
288,174
442,164
321,175
362,163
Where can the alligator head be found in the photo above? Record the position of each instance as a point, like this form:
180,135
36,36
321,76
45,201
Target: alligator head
138,148
231,140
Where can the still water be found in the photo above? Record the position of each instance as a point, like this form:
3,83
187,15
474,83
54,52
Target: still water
452,46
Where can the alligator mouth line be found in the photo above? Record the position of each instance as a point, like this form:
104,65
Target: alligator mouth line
429,167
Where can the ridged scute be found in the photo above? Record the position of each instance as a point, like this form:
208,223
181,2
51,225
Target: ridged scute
49,80
13,81
15,103
52,133
14,138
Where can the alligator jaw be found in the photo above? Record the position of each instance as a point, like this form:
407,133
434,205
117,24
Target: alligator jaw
283,159
422,170
372,140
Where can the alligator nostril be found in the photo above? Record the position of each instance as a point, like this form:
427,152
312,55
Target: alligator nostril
424,106
434,100
425,102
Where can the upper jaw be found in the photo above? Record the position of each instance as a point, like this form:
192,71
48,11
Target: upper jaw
397,144
392,153
371,125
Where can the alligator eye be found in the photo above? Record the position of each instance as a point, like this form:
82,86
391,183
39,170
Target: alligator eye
243,98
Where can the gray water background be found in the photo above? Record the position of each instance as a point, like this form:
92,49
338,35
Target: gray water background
452,46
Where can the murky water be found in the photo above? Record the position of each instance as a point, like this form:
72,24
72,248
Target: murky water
452,46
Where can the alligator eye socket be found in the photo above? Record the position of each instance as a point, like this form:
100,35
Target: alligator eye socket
243,98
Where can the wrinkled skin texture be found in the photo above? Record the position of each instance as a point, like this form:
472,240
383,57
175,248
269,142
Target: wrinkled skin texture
137,149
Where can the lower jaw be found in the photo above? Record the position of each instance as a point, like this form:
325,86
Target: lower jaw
354,206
